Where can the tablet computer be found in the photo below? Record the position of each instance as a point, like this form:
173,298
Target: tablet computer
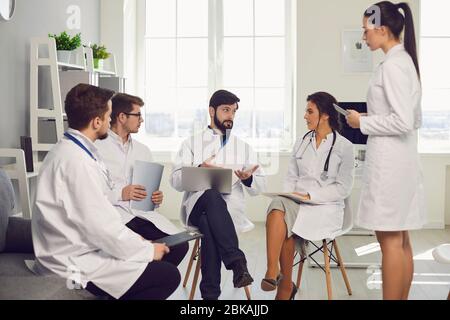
341,110
179,238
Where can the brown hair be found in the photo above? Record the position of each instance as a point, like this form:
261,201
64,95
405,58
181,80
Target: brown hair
324,102
85,102
123,103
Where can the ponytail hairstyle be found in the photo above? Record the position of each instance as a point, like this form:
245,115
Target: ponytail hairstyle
391,17
324,102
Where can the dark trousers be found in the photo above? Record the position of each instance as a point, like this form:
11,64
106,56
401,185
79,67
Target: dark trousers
161,278
150,232
219,243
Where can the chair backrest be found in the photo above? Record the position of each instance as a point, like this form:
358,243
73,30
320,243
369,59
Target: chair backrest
6,205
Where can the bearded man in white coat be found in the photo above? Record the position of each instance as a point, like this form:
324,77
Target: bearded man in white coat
219,216
77,233
119,152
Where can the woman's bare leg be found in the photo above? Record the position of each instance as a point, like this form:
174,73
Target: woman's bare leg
276,231
409,265
286,262
392,264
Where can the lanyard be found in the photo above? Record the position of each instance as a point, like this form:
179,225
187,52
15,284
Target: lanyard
78,143
105,171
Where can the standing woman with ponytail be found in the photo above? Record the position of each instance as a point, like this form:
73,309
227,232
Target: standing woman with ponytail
392,197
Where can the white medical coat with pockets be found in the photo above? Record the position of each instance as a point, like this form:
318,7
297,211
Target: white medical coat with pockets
321,217
75,227
235,154
392,195
120,158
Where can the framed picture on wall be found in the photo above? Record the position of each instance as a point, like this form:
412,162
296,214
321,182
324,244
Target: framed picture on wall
356,55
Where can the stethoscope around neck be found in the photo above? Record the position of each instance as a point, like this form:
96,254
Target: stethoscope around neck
324,174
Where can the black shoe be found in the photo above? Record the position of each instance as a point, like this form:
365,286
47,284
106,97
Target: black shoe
294,291
241,276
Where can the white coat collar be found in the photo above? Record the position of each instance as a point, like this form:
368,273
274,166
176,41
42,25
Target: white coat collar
118,138
84,140
397,48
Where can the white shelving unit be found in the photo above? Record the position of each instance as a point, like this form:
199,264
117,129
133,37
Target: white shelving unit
83,61
17,171
43,54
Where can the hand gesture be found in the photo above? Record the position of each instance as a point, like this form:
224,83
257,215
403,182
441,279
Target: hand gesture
244,175
208,163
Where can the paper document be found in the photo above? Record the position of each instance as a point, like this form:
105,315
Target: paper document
289,195
149,175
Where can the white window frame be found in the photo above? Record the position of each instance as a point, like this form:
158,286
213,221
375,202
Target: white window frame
422,146
214,78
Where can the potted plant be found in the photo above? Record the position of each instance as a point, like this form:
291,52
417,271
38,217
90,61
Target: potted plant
65,44
100,54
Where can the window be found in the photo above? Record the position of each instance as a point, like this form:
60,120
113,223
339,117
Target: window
435,70
195,47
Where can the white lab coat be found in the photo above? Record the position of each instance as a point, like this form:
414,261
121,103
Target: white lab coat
75,227
392,195
237,155
119,158
321,217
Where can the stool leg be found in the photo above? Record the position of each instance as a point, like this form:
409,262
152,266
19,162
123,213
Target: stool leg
341,266
300,271
247,293
327,269
191,261
196,273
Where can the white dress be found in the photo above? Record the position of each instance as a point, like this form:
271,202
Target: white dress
392,195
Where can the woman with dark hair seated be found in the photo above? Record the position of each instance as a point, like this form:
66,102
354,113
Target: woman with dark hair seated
320,175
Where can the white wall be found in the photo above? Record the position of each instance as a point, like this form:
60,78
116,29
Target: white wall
319,67
32,19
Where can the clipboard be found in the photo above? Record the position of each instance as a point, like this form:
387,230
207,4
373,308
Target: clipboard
179,238
147,174
288,195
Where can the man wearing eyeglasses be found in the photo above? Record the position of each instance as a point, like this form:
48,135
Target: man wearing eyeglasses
119,152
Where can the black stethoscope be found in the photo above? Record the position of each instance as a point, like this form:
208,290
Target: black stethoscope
324,174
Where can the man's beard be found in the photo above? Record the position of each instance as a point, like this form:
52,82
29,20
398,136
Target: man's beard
103,136
221,125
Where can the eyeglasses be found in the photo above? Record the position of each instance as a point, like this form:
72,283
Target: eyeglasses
134,114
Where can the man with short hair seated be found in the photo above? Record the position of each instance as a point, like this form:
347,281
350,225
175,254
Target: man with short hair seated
77,233
119,151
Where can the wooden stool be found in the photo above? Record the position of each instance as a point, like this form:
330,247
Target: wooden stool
195,255
328,256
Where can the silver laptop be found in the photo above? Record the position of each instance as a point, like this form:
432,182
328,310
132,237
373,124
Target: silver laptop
200,179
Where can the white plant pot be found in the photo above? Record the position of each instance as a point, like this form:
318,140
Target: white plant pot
64,55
